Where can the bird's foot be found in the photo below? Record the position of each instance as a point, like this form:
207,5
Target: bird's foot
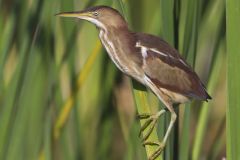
150,119
158,151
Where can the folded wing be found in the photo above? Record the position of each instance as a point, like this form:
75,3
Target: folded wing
164,66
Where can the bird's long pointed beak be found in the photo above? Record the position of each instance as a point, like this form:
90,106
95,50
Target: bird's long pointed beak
85,15
74,14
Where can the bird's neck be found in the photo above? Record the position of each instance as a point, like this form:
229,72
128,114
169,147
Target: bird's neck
120,45
113,35
111,40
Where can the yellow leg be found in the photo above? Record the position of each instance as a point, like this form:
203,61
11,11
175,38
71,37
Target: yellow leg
172,121
151,119
161,145
167,101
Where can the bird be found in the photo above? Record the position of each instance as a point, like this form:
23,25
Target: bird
149,60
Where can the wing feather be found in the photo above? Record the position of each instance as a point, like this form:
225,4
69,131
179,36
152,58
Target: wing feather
169,70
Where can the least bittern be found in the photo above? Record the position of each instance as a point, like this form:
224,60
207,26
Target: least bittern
149,60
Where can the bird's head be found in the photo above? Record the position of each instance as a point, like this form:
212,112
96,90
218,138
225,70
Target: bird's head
102,16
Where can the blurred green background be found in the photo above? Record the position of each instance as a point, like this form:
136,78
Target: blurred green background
62,98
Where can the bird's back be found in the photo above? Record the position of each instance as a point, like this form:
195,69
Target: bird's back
167,69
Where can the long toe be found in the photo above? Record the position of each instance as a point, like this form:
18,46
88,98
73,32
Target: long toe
145,125
151,143
150,129
143,116
157,152
148,125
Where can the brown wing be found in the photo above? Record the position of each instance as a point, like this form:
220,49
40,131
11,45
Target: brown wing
167,69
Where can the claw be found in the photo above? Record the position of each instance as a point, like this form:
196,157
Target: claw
151,119
158,151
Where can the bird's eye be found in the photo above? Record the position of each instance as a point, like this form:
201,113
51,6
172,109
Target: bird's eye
95,14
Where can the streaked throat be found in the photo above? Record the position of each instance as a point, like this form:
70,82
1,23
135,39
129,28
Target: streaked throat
111,50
